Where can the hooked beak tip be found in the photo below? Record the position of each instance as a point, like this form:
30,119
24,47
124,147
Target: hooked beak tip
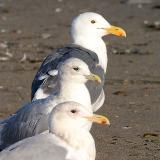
117,31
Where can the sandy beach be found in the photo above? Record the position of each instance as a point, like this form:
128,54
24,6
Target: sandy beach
30,30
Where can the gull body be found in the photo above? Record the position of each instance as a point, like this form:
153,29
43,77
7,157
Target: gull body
66,139
31,119
89,35
87,31
63,140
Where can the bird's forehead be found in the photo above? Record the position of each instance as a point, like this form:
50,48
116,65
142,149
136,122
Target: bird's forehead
69,105
90,16
73,62
79,64
65,109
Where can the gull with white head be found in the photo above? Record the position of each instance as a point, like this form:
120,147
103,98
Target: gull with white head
66,139
32,118
87,31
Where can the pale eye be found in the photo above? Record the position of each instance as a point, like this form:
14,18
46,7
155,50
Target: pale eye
93,21
76,68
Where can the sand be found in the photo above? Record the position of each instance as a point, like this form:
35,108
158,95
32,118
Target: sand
30,30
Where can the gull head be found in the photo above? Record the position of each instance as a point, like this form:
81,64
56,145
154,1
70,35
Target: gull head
93,25
77,71
71,116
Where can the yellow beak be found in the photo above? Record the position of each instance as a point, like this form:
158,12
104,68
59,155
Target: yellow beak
93,77
98,119
116,31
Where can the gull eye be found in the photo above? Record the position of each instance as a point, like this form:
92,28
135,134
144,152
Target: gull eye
93,21
76,68
73,111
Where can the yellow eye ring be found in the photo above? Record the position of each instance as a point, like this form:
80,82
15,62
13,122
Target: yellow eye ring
93,21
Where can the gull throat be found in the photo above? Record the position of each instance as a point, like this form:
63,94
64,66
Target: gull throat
73,92
95,44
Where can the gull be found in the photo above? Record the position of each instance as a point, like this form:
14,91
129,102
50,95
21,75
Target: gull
31,119
66,139
87,44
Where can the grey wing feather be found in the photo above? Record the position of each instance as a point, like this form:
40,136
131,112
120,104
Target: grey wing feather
94,88
47,65
89,57
99,101
38,147
26,122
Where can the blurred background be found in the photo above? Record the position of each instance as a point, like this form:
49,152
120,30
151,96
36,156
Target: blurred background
30,30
